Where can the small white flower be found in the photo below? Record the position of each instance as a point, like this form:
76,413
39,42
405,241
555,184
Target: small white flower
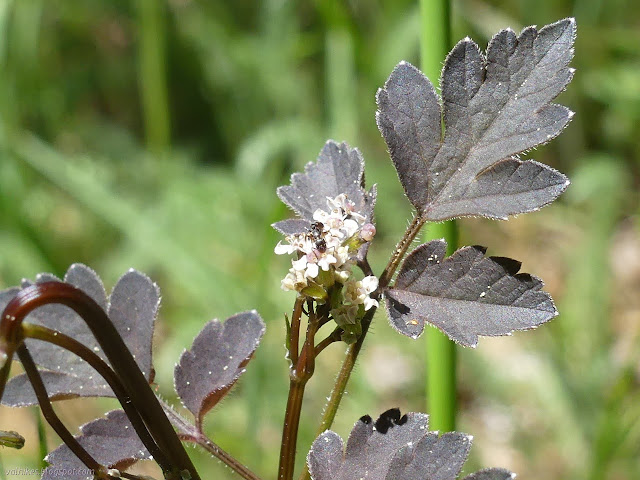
284,249
370,283
342,255
320,216
326,261
303,266
370,302
338,203
288,283
357,292
341,276
350,227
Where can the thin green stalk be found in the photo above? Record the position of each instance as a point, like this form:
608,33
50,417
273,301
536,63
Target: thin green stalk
435,41
290,428
441,355
339,63
152,75
341,85
42,438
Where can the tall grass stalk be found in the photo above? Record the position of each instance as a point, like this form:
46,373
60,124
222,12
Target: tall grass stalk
42,438
152,75
435,41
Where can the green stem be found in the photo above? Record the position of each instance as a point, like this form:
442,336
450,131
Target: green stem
435,40
42,438
152,75
435,36
441,354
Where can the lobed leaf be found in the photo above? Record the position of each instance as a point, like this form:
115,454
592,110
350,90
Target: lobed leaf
132,307
494,108
216,360
395,447
338,169
465,295
111,441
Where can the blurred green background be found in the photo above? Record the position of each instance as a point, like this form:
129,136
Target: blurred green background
152,134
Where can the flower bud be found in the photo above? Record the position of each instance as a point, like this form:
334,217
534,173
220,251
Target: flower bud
367,232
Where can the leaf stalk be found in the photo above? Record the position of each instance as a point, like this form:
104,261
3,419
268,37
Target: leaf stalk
124,365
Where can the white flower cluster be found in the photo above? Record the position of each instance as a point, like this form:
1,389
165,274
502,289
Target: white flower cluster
327,252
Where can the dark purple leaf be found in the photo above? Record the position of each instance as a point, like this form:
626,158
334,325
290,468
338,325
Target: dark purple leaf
111,441
465,295
339,169
370,449
493,108
291,226
491,474
216,360
132,308
395,447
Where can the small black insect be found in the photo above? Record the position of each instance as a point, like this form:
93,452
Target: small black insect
321,245
316,228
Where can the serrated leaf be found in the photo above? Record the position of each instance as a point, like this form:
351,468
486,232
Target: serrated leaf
216,360
396,447
491,474
338,169
111,441
132,307
493,108
465,295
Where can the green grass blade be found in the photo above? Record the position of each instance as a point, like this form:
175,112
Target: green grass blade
435,40
152,75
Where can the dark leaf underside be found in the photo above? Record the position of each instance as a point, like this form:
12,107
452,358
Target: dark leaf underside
395,447
465,295
111,441
216,360
494,108
132,307
338,169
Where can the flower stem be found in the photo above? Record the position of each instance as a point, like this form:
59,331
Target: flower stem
331,338
394,262
290,429
294,338
299,375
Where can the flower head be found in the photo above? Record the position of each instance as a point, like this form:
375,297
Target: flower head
329,245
